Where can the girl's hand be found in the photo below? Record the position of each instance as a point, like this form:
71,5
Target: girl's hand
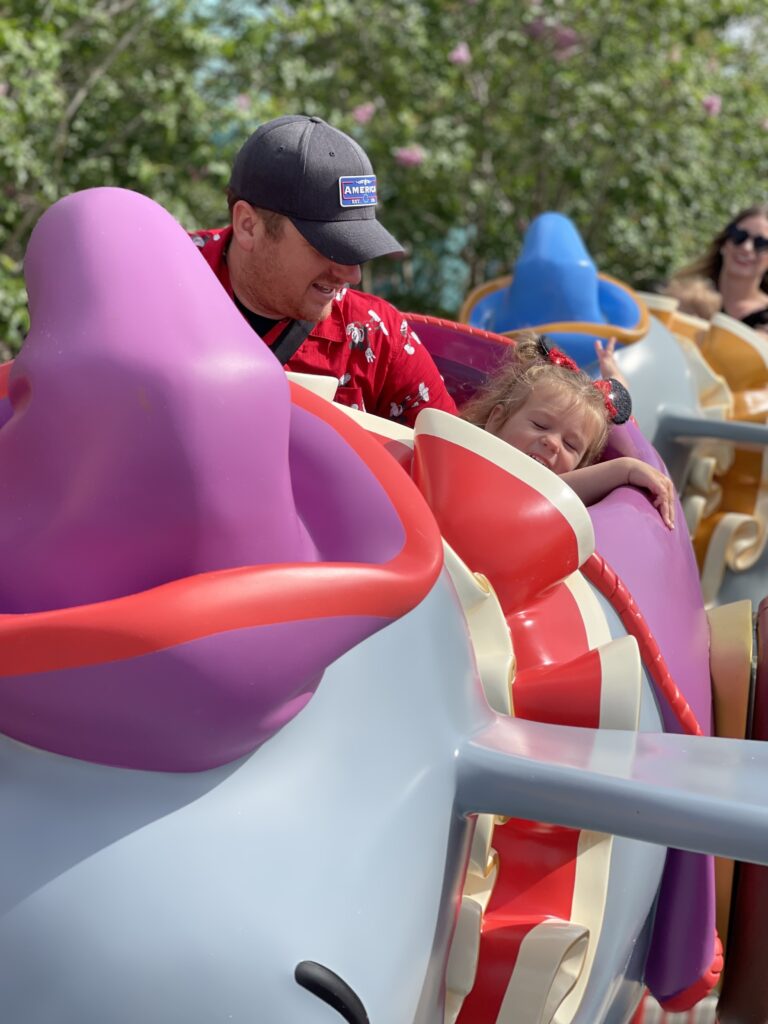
640,474
606,357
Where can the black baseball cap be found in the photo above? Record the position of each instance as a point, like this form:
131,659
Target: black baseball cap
320,179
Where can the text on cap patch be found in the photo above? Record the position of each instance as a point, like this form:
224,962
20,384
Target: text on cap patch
358,191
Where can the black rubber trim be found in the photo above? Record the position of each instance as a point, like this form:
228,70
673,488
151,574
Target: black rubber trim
323,983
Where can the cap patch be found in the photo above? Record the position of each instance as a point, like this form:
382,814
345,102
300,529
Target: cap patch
358,191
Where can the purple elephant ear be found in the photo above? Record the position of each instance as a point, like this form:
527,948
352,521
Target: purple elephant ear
148,429
190,546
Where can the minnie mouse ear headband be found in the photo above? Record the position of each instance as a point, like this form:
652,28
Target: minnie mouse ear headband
618,404
616,398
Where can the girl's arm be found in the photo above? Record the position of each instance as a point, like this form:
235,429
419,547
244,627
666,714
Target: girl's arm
593,483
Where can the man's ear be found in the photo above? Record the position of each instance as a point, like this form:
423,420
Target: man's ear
247,226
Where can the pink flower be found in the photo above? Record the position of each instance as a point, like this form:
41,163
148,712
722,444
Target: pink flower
764,124
363,112
563,38
409,156
460,54
243,101
536,29
565,42
712,104
3,88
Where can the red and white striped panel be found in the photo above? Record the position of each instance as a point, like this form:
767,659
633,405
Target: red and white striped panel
510,519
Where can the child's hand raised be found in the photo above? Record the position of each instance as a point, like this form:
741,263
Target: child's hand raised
640,474
606,357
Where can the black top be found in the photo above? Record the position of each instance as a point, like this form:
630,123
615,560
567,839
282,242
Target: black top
261,324
757,319
290,339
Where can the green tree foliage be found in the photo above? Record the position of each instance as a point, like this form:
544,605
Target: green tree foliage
107,92
647,122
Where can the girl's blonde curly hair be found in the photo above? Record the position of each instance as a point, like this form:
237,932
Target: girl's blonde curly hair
525,368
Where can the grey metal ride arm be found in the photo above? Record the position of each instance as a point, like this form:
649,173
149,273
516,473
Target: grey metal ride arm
695,793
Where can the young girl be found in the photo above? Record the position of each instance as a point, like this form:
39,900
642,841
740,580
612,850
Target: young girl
540,402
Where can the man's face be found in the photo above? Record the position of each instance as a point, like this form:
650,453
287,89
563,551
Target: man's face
285,277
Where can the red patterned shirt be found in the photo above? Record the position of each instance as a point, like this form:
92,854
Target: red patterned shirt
365,343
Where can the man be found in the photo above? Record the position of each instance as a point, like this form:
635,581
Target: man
302,201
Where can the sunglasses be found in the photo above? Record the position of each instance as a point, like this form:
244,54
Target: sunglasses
739,236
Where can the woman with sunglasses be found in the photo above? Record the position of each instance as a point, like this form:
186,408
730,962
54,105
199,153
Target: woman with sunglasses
732,275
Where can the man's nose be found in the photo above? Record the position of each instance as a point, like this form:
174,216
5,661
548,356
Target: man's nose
347,274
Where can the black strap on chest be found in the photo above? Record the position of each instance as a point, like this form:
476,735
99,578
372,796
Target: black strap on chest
290,339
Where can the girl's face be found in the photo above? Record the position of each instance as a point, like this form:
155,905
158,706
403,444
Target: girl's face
550,427
744,252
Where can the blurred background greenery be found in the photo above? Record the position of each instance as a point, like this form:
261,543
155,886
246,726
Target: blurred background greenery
646,121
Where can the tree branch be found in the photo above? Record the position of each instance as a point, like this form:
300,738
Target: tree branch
79,28
116,137
81,94
25,221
